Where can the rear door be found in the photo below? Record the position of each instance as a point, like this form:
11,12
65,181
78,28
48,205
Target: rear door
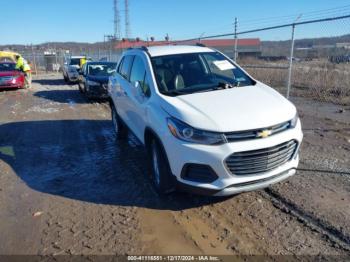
123,91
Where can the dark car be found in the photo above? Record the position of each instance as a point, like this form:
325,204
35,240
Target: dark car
94,78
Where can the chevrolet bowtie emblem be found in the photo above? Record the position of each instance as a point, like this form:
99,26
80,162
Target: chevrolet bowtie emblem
264,133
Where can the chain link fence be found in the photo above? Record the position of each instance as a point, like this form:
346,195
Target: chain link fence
304,59
52,60
309,63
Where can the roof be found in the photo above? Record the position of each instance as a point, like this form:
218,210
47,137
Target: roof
248,42
77,56
100,63
175,49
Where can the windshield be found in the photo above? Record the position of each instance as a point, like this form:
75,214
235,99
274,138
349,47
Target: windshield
197,72
102,69
75,61
7,66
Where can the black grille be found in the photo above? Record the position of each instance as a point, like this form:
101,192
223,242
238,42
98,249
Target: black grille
252,134
262,160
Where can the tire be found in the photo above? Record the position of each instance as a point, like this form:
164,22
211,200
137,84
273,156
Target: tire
80,88
65,78
87,93
120,130
161,176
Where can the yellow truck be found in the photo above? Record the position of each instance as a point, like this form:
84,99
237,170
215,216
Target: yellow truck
8,56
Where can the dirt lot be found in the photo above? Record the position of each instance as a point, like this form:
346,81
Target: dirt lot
67,186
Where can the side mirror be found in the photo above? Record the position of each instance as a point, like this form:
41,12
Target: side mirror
137,84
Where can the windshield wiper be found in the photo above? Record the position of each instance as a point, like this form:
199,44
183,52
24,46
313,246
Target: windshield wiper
219,86
173,93
226,85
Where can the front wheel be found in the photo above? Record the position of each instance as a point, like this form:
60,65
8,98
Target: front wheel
65,78
80,88
161,176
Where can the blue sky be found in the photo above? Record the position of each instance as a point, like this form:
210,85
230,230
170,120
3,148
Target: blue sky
37,21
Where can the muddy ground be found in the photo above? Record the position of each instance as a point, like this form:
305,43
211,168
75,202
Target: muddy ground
67,186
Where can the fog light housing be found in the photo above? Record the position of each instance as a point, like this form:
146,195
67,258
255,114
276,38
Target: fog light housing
198,173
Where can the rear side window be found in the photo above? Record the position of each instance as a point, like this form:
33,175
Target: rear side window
138,70
125,67
138,74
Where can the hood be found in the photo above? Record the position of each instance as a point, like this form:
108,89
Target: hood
236,109
74,66
10,73
99,79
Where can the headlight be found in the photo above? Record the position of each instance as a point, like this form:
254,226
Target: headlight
294,121
93,83
189,134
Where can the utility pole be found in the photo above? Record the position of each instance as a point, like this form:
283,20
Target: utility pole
200,37
56,60
167,39
290,62
110,41
34,60
236,40
290,71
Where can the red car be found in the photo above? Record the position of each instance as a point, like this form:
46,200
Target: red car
10,77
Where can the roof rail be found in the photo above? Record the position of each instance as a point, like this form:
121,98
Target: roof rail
144,48
200,44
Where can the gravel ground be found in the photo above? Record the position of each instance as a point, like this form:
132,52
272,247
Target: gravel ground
67,186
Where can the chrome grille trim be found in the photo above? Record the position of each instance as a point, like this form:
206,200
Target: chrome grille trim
261,160
253,134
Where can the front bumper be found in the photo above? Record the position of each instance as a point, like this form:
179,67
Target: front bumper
181,153
8,86
73,77
237,188
99,91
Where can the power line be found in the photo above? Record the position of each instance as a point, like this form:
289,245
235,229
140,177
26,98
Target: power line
286,19
269,28
291,16
303,18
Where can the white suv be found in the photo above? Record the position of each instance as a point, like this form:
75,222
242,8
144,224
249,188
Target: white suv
207,125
